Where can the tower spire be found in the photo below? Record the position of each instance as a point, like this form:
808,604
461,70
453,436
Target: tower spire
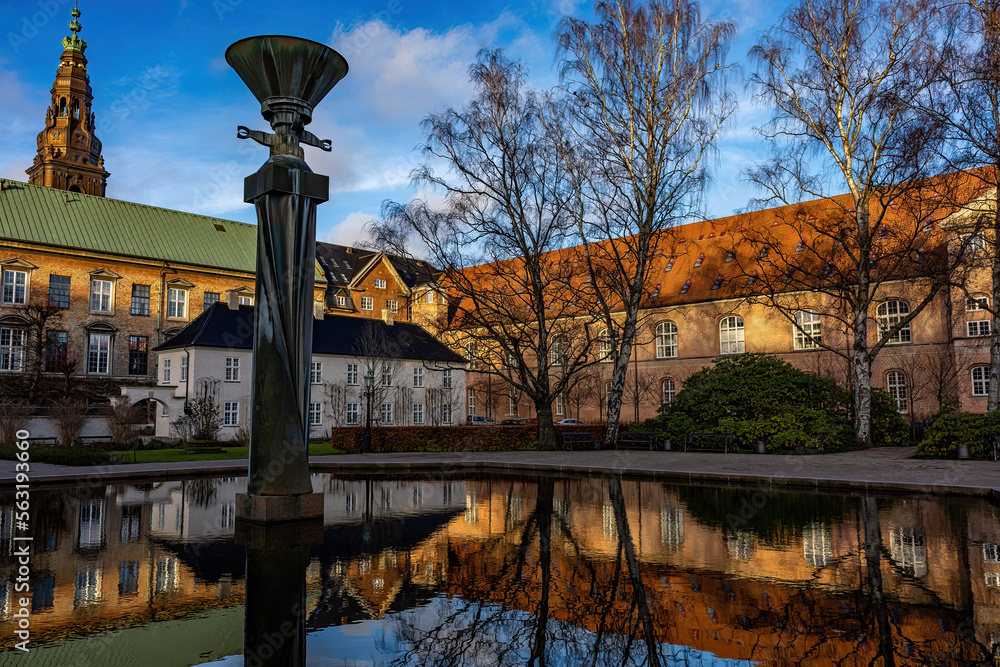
69,152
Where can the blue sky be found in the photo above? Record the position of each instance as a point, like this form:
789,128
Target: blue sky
168,105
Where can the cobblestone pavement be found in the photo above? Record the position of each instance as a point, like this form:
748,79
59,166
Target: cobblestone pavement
875,469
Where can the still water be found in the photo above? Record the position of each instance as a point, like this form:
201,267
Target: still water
495,570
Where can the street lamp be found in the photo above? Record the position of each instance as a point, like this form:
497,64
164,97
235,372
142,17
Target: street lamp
366,439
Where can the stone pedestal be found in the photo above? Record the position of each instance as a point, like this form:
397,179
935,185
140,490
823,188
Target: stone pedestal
275,509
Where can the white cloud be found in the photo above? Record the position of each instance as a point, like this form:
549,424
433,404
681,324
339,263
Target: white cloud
348,231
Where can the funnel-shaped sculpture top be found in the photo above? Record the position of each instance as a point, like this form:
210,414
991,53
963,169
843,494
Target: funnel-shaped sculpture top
282,66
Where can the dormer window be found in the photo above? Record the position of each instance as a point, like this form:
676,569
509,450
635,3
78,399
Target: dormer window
928,224
800,246
430,297
730,256
686,287
718,283
670,265
697,262
656,291
752,278
764,251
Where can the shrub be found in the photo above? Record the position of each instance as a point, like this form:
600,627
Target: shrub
13,417
67,456
449,438
978,431
70,415
759,397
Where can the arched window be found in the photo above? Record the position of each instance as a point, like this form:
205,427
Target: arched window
981,381
470,354
895,384
62,106
888,315
806,330
666,340
604,345
558,351
607,391
731,339
669,391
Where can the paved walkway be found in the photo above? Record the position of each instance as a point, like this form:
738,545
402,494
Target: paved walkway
874,469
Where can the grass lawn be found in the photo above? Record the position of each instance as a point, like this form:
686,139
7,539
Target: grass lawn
171,455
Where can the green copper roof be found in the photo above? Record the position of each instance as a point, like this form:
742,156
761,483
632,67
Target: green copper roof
47,216
75,27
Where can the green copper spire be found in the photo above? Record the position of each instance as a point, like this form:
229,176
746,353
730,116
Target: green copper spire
75,27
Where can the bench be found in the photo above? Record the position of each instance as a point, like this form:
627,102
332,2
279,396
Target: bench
44,441
586,439
709,442
91,439
637,439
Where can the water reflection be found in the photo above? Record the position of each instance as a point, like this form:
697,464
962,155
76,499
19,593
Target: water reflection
513,570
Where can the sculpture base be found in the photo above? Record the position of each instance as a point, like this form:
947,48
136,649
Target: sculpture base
277,509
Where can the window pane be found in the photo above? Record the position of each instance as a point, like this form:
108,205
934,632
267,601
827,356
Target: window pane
59,291
210,298
138,355
15,285
56,343
98,353
140,299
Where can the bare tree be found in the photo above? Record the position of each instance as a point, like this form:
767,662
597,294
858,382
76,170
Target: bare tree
336,395
122,421
70,415
641,388
14,416
846,81
504,213
379,358
647,99
38,317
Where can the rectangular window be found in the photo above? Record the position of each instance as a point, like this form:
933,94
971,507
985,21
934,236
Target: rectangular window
352,374
245,300
379,283
315,414
418,414
99,354
59,291
232,369
446,378
341,301
560,405
316,372
806,331
973,243
352,414
367,303
895,384
981,381
184,368
472,401
138,355
12,349
386,377
392,305
446,413
210,298
977,328
100,295
15,286
56,346
977,303
166,370
418,377
177,303
385,414
231,414
140,299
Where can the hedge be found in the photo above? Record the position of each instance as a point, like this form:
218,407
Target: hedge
75,456
450,438
978,431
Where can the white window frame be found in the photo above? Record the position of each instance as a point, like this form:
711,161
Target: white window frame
18,288
666,340
184,368
232,369
668,391
446,378
973,243
976,303
244,300
99,336
512,401
385,414
471,394
559,351
352,375
470,354
604,345
231,413
341,301
379,283
166,371
367,303
12,344
807,332
980,384
315,372
315,414
353,413
177,303
895,384
392,305
560,405
888,314
100,295
732,335
418,376
446,414
430,297
977,328
386,377
418,414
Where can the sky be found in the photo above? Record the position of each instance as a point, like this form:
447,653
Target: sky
168,105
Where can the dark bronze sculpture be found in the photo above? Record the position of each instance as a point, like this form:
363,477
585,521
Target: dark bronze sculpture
288,76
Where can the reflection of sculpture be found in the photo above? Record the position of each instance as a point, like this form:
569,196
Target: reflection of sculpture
289,76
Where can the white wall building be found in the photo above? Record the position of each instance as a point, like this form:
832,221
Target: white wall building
416,380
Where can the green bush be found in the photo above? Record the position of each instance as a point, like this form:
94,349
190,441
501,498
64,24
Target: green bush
759,397
67,456
450,438
978,431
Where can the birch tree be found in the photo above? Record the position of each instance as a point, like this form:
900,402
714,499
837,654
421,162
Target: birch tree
646,97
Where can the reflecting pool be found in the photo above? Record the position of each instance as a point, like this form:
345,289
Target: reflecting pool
504,570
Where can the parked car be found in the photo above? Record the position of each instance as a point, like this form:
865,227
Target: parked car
569,422
478,420
517,421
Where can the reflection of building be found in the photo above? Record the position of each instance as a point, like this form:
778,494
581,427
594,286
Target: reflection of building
782,592
418,380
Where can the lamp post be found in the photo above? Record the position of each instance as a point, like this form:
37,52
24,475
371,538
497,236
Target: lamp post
366,439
